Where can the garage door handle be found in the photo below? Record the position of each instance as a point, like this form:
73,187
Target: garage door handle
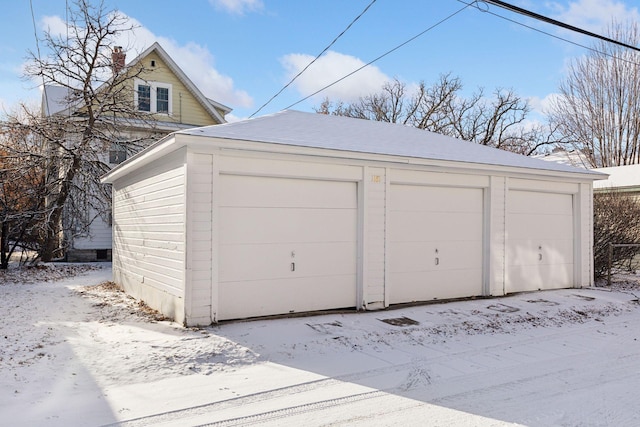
293,266
539,257
437,261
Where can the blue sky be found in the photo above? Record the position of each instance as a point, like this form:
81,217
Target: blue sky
241,52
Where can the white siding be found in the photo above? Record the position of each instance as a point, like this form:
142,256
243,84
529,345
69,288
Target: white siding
199,232
149,236
495,249
99,235
584,233
374,207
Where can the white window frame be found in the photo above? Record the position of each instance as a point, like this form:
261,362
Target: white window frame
154,95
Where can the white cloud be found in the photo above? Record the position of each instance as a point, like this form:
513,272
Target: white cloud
238,7
329,68
541,105
54,25
594,15
195,60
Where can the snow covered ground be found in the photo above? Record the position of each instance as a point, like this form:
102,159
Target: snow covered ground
77,352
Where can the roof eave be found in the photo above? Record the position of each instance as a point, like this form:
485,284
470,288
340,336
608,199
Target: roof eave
209,143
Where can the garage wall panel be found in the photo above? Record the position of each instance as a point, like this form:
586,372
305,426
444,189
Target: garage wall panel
199,231
584,229
496,240
149,235
374,204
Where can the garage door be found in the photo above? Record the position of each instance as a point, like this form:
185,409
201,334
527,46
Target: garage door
285,245
539,241
435,243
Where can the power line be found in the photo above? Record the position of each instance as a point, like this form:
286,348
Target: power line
474,4
555,22
380,57
315,59
35,34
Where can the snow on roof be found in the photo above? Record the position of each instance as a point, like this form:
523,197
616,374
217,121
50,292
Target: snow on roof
567,157
296,128
619,177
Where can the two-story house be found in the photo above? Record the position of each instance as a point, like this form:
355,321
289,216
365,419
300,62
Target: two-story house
171,100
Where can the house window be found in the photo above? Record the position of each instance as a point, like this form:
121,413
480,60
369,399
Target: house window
144,98
117,154
153,97
162,100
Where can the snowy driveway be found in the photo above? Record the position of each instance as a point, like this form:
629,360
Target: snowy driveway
565,358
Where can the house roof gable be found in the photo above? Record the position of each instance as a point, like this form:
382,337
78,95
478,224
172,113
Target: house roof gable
210,105
55,98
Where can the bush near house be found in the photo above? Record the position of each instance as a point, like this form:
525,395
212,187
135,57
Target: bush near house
616,219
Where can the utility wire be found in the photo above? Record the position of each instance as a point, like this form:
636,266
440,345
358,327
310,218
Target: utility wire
380,57
35,34
555,22
474,4
315,59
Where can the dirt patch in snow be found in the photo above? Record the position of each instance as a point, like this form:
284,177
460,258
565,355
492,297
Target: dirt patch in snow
153,347
116,304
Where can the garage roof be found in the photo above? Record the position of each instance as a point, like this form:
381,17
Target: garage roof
296,128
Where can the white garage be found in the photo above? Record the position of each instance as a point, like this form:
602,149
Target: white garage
299,212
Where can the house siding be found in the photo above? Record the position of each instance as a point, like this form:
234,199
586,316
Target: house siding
186,108
149,236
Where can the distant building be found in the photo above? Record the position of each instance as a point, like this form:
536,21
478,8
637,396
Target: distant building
621,178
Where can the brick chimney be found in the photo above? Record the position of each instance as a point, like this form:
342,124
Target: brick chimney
117,59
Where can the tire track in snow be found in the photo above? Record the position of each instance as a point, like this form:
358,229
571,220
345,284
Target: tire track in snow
512,383
298,409
259,397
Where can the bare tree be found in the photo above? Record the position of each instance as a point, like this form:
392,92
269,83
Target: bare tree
599,104
426,108
98,105
498,122
23,163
